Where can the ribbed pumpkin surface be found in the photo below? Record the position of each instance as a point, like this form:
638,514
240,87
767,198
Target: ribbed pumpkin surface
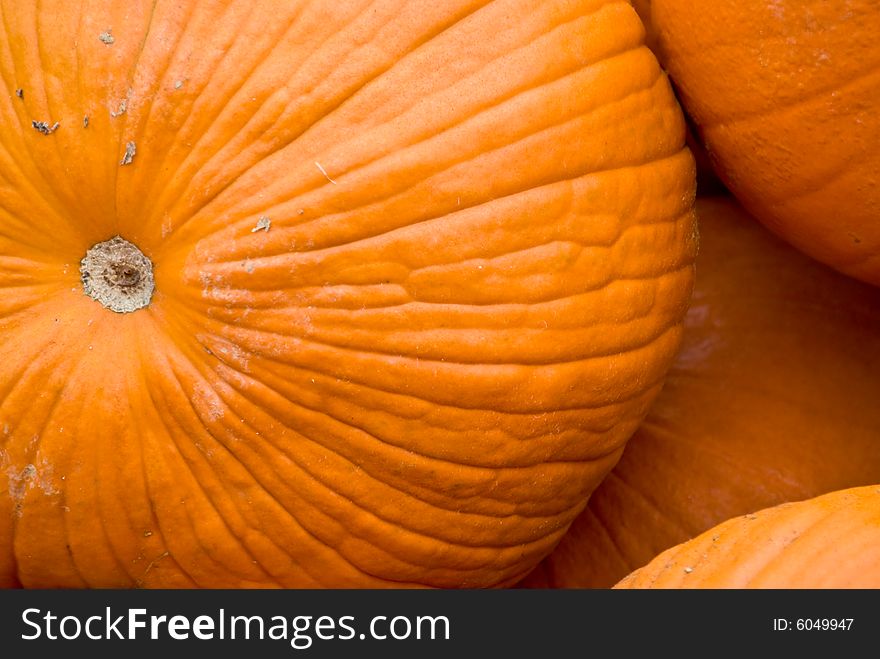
832,541
787,98
773,398
420,269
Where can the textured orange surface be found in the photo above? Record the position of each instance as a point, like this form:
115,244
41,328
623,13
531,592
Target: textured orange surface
786,95
832,541
772,398
420,269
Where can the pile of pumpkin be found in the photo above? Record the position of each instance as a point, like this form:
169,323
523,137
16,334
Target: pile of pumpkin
406,293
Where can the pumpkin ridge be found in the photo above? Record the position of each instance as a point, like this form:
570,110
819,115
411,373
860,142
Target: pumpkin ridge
38,44
820,184
467,536
402,396
347,243
354,91
242,529
512,93
138,577
82,581
184,454
497,101
16,490
123,135
243,540
322,181
671,335
106,523
18,144
491,465
257,62
64,371
266,295
811,527
444,350
803,187
215,438
782,107
50,111
66,521
477,466
263,156
155,525
213,565
47,203
471,320
371,514
244,465
523,186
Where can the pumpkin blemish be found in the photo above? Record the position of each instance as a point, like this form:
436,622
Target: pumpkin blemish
44,127
128,156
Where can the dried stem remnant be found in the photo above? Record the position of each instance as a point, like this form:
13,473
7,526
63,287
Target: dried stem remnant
118,275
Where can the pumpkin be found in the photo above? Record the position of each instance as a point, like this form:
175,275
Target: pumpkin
831,541
343,294
773,398
786,98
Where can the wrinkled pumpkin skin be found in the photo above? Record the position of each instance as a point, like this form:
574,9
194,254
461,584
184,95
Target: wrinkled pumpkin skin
832,541
772,398
420,269
786,97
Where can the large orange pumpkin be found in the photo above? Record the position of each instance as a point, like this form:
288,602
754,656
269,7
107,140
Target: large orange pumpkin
772,398
832,541
375,291
786,95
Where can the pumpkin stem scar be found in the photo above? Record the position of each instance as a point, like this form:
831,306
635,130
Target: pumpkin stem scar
118,275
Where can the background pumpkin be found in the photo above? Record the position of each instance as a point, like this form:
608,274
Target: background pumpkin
786,97
771,399
420,269
832,541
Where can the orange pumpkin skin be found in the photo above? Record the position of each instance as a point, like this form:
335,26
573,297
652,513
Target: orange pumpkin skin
786,96
832,541
771,399
420,269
